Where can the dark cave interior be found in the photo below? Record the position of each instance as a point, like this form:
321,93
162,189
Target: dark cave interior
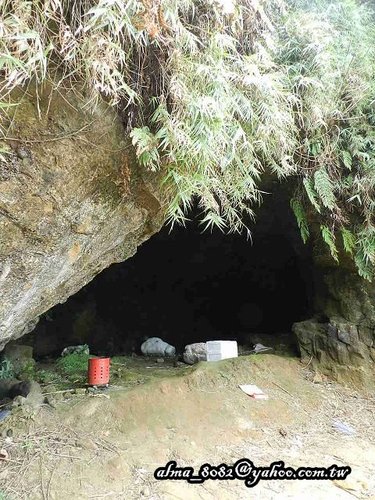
187,286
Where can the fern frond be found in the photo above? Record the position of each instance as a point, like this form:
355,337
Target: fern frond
348,240
311,193
347,160
324,188
301,218
329,239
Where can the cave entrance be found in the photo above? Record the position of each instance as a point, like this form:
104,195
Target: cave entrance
185,286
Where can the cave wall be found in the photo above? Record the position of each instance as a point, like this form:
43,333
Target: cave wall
72,202
339,340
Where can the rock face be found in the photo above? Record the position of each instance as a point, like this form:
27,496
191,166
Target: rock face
72,202
340,340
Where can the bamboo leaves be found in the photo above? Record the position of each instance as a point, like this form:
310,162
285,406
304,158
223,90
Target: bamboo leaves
222,100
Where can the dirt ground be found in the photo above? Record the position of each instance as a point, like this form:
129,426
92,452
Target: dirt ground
108,444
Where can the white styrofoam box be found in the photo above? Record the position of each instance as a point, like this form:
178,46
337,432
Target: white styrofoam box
221,349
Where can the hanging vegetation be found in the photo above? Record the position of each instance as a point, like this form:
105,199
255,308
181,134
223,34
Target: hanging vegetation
219,93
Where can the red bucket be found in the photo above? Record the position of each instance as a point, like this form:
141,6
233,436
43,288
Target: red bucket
98,372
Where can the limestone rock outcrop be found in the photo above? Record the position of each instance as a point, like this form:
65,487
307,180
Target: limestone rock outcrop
72,201
340,339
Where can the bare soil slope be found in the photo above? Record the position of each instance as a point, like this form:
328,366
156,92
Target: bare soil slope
108,445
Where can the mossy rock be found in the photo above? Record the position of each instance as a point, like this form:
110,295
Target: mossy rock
21,358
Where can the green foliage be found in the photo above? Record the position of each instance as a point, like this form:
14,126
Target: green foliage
332,44
47,377
324,188
6,369
73,366
347,159
365,255
218,95
311,193
348,240
301,217
329,238
147,147
27,371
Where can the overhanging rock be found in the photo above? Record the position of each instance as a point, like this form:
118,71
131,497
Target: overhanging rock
72,201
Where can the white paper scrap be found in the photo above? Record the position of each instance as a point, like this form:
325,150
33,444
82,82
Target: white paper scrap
253,391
